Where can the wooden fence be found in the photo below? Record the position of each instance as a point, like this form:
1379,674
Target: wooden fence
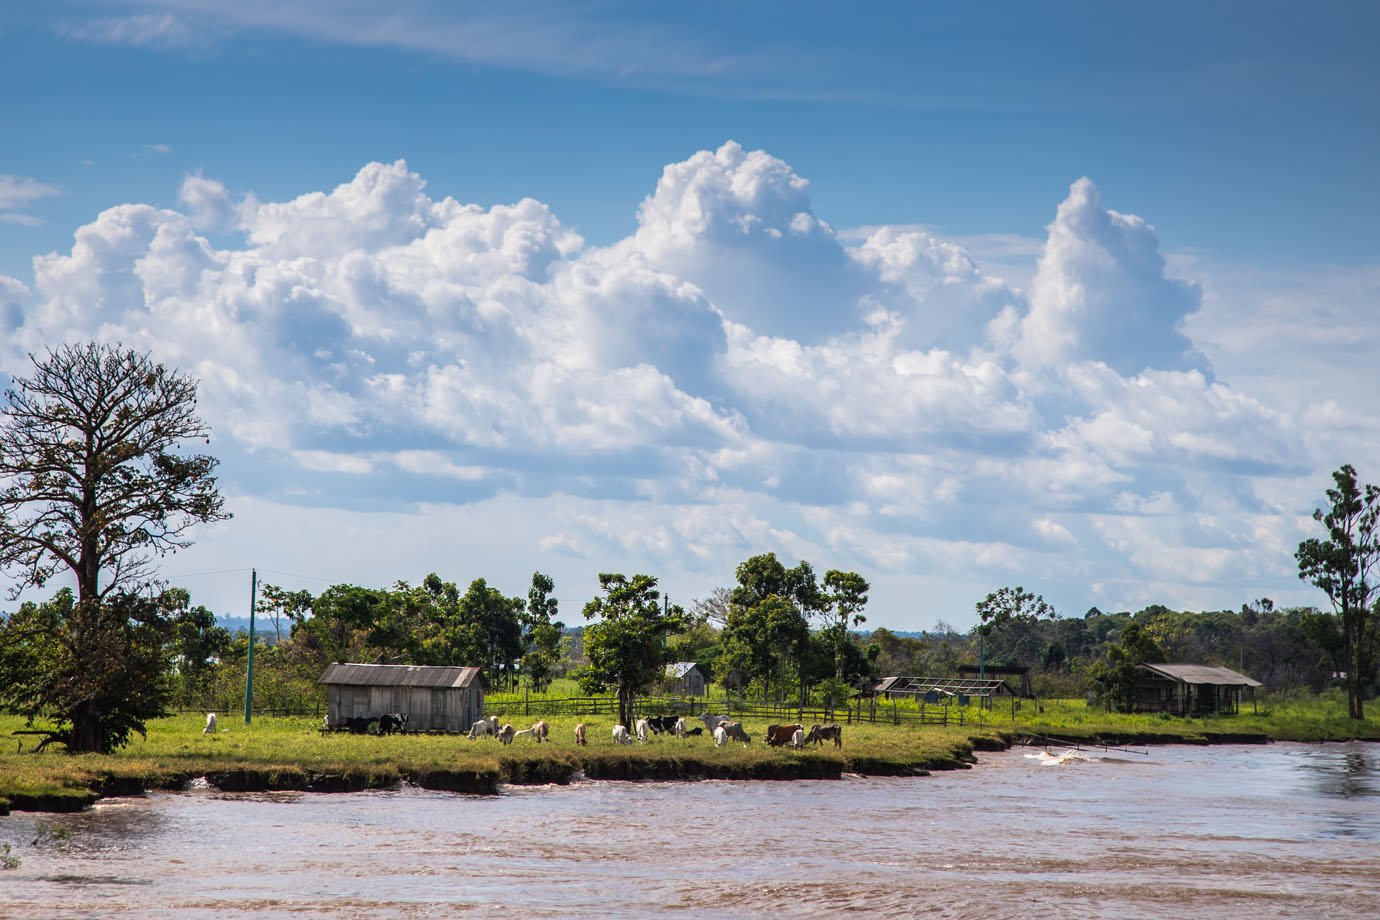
867,710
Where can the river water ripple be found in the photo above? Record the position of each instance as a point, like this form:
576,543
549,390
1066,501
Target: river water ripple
1187,832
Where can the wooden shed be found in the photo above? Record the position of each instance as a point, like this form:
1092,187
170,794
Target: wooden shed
686,677
441,699
1190,689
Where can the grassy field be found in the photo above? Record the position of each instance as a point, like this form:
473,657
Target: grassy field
290,753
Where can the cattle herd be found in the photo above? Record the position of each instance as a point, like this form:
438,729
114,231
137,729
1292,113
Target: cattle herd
720,727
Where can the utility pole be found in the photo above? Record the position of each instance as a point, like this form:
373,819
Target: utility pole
249,667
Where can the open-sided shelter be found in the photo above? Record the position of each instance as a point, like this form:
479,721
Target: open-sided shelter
442,699
1012,674
943,689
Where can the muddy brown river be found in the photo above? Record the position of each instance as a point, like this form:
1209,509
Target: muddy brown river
1283,830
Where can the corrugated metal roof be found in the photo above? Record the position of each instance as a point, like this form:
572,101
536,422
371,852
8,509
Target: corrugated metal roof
398,675
1202,674
679,669
919,686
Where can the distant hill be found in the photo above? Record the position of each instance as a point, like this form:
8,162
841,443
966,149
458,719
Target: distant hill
903,633
263,627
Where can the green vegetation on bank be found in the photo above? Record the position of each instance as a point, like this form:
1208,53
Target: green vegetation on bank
290,753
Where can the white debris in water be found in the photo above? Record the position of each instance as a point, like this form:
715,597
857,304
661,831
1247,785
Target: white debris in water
1047,759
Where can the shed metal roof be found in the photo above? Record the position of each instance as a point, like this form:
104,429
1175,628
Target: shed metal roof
1202,674
919,686
680,668
399,675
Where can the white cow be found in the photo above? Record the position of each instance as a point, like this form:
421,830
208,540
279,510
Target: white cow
720,736
210,728
580,734
485,726
798,739
620,735
506,733
537,731
642,731
712,722
679,729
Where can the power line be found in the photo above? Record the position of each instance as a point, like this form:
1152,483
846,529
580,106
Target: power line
217,572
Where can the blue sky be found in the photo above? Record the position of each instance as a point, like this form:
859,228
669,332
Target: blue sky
1080,298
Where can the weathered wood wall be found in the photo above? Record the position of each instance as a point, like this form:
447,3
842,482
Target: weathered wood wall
428,709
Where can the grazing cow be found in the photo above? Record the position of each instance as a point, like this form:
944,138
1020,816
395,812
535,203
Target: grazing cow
798,739
580,734
391,722
712,722
485,726
734,731
659,724
359,725
696,731
778,735
210,728
642,730
506,733
821,733
720,736
679,728
538,731
620,735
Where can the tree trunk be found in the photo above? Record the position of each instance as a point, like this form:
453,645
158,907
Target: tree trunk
86,731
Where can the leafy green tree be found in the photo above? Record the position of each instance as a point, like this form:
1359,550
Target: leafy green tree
96,484
845,596
1342,566
198,646
337,628
768,618
1115,675
496,621
542,633
764,576
98,670
279,604
763,638
627,644
1011,617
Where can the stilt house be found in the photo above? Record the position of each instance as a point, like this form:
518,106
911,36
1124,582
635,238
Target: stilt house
1191,689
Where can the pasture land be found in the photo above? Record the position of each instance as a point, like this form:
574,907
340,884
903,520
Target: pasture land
291,753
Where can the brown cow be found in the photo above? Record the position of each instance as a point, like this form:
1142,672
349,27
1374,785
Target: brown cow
580,733
778,735
819,733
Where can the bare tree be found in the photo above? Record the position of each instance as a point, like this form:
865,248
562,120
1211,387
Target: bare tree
92,478
92,481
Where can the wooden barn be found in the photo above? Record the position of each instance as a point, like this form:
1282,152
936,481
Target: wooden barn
440,699
1190,689
686,677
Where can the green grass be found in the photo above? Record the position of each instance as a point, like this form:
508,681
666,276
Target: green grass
291,752
1296,718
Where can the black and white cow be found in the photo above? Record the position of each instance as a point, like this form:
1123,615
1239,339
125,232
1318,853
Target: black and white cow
391,722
